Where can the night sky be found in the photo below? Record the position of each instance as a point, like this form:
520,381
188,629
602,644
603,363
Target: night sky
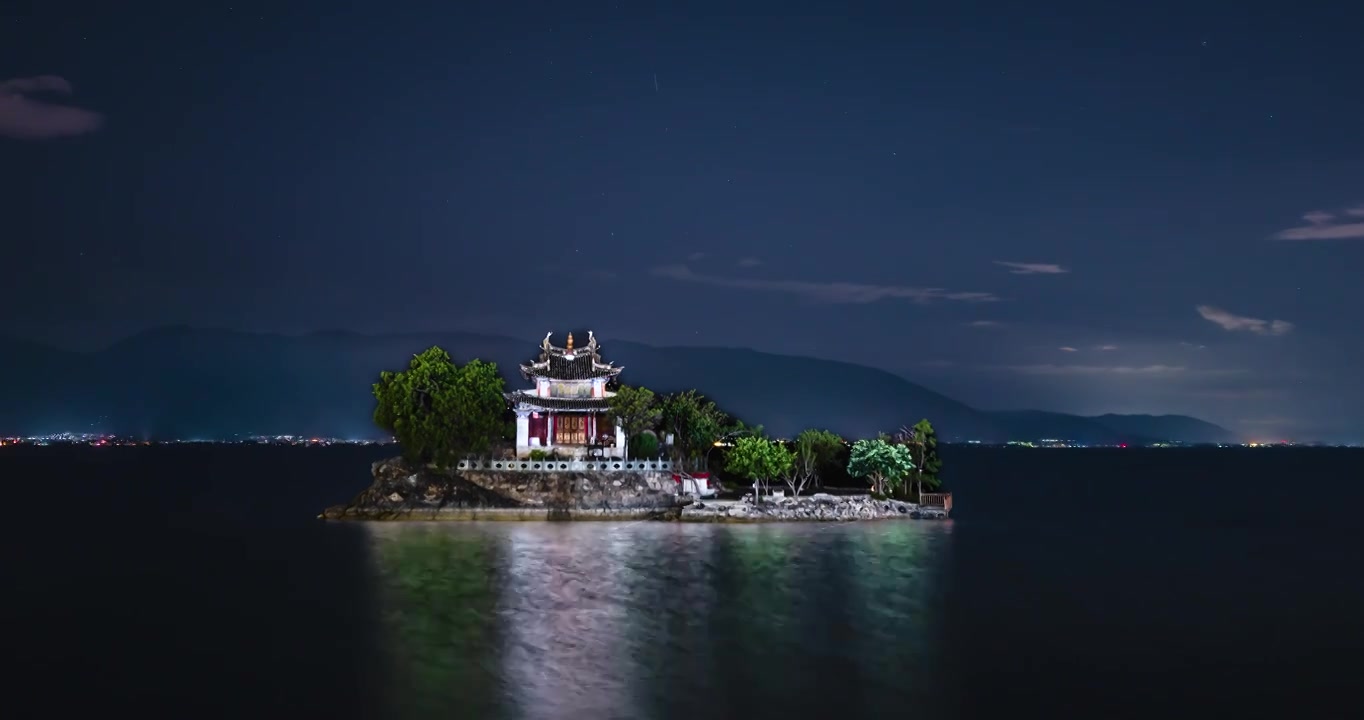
1096,207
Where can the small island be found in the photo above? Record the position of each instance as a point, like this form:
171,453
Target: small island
579,445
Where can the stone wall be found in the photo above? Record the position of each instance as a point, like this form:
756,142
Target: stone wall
581,490
401,491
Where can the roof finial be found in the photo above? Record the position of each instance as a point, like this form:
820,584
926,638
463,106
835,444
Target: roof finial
570,342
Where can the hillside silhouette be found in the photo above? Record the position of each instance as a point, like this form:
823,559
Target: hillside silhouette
184,382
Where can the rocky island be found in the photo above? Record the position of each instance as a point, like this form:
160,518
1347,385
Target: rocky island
569,448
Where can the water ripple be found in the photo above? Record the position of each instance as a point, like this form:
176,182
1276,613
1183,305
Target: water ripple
641,620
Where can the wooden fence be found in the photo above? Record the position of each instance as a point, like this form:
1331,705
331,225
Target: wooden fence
936,500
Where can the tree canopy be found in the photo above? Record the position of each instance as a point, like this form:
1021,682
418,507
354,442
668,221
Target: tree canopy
926,460
883,463
439,411
696,424
812,450
758,458
636,409
922,441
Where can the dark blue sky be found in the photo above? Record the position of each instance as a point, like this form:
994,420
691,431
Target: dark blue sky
830,179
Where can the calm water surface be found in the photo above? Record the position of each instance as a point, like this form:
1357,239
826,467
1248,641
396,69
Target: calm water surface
649,620
194,582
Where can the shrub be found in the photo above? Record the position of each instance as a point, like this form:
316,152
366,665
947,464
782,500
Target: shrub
644,445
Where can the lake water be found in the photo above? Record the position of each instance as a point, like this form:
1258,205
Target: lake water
195,582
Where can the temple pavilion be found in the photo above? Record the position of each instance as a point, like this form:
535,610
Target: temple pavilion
568,408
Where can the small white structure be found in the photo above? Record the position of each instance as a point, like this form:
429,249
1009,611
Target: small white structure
568,409
697,484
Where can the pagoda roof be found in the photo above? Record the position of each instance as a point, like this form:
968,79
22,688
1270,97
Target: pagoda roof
569,363
524,397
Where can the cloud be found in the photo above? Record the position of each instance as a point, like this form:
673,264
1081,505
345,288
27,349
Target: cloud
1144,370
1343,231
1322,225
1067,348
983,323
828,292
1239,323
696,256
26,118
1107,348
749,262
1018,268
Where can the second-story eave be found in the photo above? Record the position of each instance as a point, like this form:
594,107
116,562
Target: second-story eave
528,400
535,371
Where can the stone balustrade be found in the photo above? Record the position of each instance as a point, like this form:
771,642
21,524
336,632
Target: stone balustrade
567,465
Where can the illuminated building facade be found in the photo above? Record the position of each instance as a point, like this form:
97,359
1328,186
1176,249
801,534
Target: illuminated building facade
568,409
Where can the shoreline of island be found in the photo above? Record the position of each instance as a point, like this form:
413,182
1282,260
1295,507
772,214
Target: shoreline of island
810,509
504,492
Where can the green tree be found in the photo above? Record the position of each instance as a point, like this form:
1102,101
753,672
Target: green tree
694,422
812,449
883,463
922,441
438,410
759,459
696,425
635,408
677,411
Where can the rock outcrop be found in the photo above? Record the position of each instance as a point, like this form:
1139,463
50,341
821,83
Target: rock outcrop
817,507
401,491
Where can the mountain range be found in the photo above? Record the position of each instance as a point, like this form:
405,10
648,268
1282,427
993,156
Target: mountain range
186,382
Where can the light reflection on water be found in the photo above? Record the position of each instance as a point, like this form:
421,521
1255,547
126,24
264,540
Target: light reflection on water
644,620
